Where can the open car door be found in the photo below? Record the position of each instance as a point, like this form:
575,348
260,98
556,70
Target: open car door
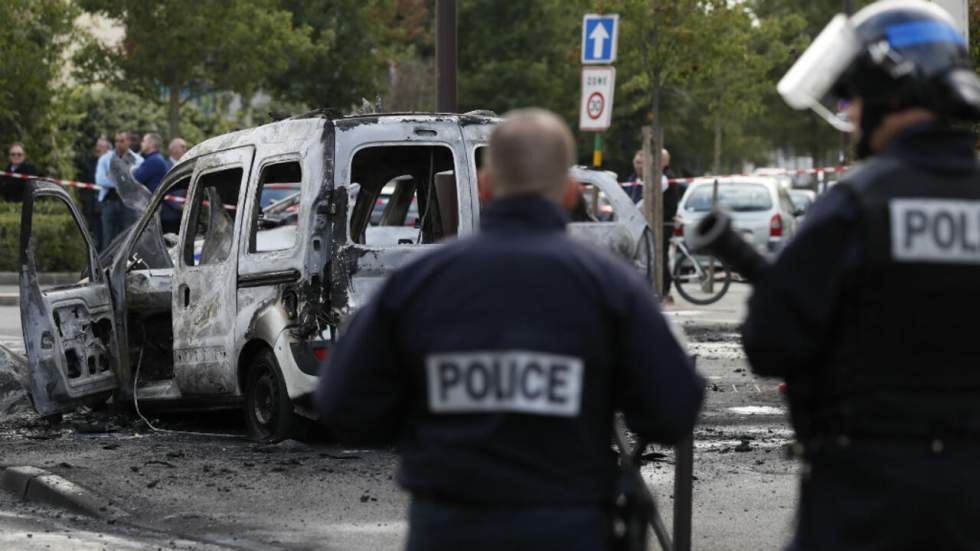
69,331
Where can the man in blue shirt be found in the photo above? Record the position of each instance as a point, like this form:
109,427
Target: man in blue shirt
154,166
151,173
116,217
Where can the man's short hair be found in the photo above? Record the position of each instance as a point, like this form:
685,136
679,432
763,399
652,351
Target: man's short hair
530,153
177,142
155,139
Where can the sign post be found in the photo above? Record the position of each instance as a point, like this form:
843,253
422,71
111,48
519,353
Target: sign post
600,36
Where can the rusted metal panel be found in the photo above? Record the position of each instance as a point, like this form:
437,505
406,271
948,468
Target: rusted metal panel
68,331
204,305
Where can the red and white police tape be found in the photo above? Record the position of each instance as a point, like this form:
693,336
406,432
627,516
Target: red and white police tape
86,185
799,172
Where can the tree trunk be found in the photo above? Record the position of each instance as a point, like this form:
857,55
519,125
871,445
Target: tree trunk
173,111
652,192
716,165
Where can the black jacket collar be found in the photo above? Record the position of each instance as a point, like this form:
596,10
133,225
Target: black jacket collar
935,146
523,212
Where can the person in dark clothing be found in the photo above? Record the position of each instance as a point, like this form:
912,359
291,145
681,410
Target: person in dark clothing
151,172
11,188
497,361
867,313
89,198
672,193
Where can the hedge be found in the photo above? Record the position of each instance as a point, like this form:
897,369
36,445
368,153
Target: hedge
59,244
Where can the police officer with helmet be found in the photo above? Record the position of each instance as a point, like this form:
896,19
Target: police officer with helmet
870,312
496,363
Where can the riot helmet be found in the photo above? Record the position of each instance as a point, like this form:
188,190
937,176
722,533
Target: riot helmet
894,55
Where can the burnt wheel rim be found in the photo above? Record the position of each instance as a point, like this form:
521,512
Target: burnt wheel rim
265,402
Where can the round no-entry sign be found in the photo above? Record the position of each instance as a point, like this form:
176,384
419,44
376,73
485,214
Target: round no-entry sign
596,105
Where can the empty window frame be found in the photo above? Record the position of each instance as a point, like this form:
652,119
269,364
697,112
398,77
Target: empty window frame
211,228
157,240
408,195
276,209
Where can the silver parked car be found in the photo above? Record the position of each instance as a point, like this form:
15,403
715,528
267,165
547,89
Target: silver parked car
761,209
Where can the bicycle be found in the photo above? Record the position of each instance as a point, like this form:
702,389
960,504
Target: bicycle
700,281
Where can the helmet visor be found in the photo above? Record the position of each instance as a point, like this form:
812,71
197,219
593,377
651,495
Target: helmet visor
809,82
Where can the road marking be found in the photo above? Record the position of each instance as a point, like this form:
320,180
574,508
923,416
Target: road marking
734,388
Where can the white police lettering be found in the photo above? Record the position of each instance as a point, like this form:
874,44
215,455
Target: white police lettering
512,381
935,230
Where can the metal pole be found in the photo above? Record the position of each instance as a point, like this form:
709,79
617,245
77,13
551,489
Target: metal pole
446,63
709,285
683,493
845,137
597,152
658,201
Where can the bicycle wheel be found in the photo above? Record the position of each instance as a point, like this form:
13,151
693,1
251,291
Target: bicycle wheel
691,280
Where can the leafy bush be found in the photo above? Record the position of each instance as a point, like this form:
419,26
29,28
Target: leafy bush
59,245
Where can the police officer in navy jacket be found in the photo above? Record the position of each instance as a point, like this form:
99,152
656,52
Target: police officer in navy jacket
497,361
869,313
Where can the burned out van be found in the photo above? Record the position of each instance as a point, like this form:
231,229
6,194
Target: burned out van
285,229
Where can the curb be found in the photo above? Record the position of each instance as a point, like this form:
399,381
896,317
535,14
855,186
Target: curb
709,326
40,486
9,299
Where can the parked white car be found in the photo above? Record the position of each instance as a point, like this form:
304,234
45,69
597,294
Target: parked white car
761,209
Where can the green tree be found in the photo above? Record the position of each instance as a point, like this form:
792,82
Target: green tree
33,41
735,77
348,57
520,54
177,50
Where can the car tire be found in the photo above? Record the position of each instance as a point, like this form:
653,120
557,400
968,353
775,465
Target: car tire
269,413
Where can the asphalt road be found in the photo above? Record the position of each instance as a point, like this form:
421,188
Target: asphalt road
235,494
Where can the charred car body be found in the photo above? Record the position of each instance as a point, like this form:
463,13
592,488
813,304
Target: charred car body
277,247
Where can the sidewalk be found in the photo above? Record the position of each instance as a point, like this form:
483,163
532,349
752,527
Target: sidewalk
725,315
10,281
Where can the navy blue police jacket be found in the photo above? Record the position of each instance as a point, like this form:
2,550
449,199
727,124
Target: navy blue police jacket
496,363
792,314
881,492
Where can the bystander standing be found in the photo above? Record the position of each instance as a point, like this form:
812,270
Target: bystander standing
89,198
176,150
12,189
151,173
116,217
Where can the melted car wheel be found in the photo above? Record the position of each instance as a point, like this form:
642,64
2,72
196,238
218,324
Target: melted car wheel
268,410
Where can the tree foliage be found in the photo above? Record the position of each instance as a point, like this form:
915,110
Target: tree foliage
33,40
177,50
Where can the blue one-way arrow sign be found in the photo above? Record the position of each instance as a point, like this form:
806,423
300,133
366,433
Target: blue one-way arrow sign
600,34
